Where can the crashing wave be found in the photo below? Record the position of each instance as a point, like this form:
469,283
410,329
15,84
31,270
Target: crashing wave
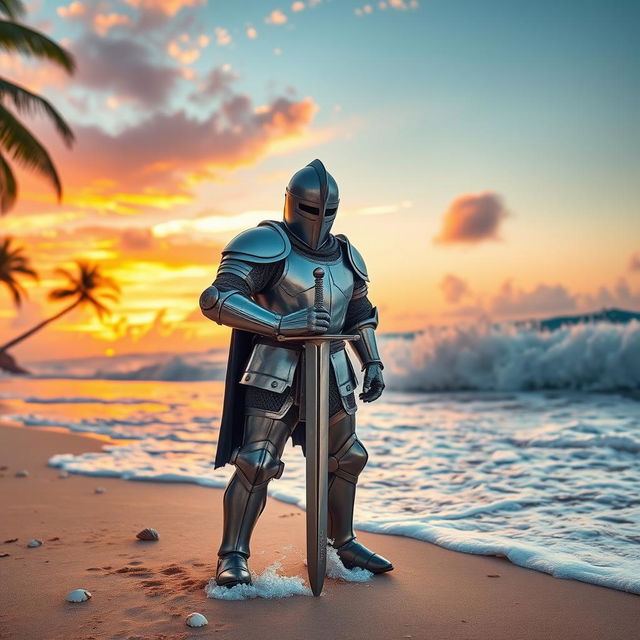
589,357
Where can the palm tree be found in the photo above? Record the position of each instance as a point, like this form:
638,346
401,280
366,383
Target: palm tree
15,139
86,287
14,264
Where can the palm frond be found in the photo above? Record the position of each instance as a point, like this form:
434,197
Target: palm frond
65,273
26,149
8,186
112,297
109,283
17,291
28,102
12,8
61,293
25,270
100,308
17,38
14,263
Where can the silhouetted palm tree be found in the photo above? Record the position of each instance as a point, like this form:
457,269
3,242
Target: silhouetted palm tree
15,139
86,287
13,265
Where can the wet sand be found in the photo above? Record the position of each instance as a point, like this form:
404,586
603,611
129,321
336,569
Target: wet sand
146,589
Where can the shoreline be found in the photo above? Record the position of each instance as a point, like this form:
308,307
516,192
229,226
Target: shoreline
147,589
519,552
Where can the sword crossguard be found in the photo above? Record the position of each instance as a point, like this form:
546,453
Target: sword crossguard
318,301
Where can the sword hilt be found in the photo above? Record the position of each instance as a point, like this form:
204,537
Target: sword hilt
318,300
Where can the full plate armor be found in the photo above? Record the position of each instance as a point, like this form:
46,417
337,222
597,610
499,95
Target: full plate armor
264,288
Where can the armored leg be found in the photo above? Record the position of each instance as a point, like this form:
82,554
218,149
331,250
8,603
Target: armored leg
347,458
257,462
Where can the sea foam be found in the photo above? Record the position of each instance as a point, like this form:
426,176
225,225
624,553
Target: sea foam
595,357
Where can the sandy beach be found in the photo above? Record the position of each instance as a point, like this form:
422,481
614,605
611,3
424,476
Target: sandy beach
146,590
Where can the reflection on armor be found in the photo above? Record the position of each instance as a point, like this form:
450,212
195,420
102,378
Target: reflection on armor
295,289
367,347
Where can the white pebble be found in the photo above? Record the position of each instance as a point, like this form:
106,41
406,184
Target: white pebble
79,595
23,473
100,490
196,620
34,543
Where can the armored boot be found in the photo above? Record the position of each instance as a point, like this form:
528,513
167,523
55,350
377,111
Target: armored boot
347,458
257,462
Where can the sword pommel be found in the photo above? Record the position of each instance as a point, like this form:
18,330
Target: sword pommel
318,274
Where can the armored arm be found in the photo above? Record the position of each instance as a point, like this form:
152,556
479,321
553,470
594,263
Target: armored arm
362,319
234,309
249,262
366,348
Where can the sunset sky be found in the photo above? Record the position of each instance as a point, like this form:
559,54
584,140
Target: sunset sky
486,153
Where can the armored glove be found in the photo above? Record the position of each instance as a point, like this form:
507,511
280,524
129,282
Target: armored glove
304,321
373,384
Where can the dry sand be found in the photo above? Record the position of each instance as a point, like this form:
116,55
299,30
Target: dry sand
145,590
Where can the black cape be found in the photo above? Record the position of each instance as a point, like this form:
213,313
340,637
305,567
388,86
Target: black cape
232,421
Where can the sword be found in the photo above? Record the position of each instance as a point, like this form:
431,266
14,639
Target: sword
316,352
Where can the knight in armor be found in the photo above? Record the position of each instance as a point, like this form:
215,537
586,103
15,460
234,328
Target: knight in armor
264,288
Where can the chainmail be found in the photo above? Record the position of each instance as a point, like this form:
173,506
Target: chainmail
329,251
358,310
264,399
261,277
272,401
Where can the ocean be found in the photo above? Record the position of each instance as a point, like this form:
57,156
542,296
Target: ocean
504,441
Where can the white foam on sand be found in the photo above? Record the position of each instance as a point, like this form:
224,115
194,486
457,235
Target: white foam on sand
268,584
271,584
336,570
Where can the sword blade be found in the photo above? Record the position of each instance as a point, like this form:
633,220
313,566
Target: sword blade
317,458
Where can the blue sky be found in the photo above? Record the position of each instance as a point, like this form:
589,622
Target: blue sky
525,113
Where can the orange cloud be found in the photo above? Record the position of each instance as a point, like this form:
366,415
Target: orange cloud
71,10
472,218
103,22
223,37
276,17
155,163
167,7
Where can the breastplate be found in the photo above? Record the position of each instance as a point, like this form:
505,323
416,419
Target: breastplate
296,287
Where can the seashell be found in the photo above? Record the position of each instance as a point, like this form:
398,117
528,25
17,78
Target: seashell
23,473
63,474
79,595
34,543
196,620
99,490
148,534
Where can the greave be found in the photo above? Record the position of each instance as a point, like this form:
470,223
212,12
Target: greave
257,463
347,459
242,508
